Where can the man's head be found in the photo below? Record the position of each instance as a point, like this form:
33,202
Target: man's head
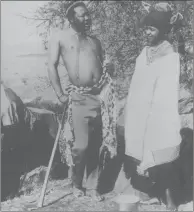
79,17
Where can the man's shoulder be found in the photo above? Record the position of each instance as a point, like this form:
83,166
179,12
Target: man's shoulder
94,39
55,35
60,33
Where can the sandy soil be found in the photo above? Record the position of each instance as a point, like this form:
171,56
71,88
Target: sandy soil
59,198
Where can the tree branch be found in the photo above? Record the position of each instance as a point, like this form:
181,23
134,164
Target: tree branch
33,18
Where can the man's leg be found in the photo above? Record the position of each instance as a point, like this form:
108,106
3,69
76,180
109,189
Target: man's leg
81,131
93,170
82,112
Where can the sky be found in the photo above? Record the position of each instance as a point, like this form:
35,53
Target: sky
15,31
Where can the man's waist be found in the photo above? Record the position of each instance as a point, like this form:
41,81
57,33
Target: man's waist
92,90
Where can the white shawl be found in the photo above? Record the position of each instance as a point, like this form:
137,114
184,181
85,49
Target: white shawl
152,122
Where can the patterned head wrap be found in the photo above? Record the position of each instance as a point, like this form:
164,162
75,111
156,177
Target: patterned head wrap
161,17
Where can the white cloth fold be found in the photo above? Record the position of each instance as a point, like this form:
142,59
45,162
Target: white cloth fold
152,122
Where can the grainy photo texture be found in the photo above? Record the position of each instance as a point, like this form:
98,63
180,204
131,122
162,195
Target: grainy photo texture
97,105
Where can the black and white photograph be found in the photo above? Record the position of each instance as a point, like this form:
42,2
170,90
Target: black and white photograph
97,105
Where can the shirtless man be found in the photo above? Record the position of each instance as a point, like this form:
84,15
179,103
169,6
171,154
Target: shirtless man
82,57
75,48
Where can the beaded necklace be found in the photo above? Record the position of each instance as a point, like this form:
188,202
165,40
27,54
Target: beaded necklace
153,52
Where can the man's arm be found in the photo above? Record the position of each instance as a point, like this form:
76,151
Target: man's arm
109,66
54,55
100,51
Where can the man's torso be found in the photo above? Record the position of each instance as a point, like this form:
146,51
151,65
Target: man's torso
81,57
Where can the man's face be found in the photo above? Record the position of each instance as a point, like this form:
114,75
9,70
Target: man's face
152,34
81,20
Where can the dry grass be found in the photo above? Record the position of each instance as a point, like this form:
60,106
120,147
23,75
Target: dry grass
59,198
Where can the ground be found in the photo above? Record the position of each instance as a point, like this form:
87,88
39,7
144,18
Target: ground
59,198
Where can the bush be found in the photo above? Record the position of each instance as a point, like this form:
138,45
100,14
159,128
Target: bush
114,23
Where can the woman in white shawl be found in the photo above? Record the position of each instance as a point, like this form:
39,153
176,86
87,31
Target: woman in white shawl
152,122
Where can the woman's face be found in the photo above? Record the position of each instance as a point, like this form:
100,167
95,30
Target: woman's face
152,34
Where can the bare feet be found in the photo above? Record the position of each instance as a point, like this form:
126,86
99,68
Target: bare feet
77,192
143,172
171,209
94,195
151,202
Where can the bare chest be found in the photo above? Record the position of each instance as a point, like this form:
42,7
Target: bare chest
75,44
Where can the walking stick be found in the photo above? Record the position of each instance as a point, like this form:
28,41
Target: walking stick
40,203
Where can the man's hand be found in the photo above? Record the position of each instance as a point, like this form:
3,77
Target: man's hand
53,62
63,98
110,69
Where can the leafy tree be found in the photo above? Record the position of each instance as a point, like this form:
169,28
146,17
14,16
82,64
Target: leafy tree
115,24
